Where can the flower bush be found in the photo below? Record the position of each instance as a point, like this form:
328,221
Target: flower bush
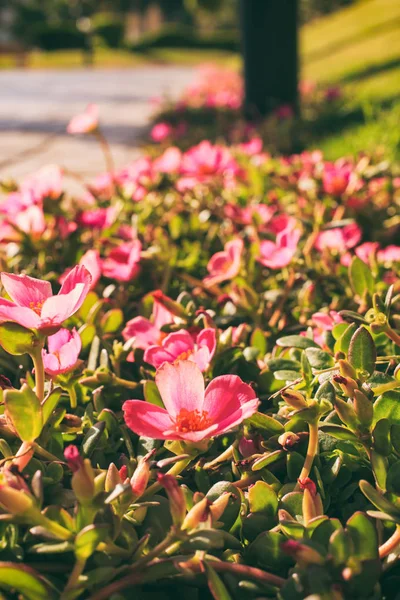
200,380
211,108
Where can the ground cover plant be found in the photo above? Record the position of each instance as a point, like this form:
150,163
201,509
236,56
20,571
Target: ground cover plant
200,381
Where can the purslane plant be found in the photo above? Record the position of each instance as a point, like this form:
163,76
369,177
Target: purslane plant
214,398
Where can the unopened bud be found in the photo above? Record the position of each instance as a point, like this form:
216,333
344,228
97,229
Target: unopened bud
288,439
197,514
304,555
16,502
141,476
247,447
295,399
113,478
82,480
218,507
346,370
173,307
283,515
347,384
176,497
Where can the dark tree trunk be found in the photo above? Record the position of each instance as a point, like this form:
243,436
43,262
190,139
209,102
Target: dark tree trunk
270,50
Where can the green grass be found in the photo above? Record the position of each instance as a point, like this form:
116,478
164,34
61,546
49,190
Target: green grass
359,49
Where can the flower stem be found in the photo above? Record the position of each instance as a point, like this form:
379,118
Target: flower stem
393,335
37,359
391,544
312,451
72,396
73,578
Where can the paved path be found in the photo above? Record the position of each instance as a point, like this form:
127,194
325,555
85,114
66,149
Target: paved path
35,107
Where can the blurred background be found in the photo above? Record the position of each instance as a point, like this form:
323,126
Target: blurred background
58,55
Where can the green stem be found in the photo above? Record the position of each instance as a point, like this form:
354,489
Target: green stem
312,451
72,396
53,527
37,359
73,578
393,335
132,385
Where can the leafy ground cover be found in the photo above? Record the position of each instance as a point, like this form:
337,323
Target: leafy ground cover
200,380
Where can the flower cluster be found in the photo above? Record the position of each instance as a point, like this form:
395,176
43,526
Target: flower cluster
200,373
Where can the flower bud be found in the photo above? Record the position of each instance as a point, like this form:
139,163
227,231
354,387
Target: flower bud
15,501
347,384
176,498
113,478
295,399
218,507
364,408
173,307
346,370
140,478
199,513
304,555
82,480
247,447
288,439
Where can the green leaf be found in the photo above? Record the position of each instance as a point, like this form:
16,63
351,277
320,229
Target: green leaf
266,552
393,478
361,278
283,364
267,459
112,321
263,500
387,406
287,376
381,437
363,533
362,351
378,500
258,340
265,423
215,584
339,432
379,468
88,539
232,510
326,391
340,546
26,581
16,339
151,393
319,359
92,438
343,343
293,504
296,341
50,404
24,409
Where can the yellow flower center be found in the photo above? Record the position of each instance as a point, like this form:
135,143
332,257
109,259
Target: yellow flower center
184,355
36,307
192,420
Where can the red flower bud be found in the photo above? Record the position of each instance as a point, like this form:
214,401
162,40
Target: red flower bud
176,497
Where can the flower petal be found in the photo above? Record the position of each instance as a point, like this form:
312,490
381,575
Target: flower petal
79,274
147,419
225,395
25,290
181,385
59,308
18,314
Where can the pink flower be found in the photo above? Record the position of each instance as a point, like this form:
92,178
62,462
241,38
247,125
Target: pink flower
169,161
122,262
33,305
63,352
92,261
339,238
389,254
276,255
191,413
45,183
98,218
336,178
365,252
161,132
324,322
205,162
31,221
258,214
148,333
226,264
86,122
180,345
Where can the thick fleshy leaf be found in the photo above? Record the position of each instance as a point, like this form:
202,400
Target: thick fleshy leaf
362,351
24,409
16,339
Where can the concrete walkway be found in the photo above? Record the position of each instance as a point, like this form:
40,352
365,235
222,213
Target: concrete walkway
35,107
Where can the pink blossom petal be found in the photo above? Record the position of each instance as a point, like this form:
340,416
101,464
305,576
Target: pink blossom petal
25,290
18,314
181,385
225,395
144,332
147,419
59,308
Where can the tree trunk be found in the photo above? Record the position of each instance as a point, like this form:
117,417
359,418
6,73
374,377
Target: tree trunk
270,51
